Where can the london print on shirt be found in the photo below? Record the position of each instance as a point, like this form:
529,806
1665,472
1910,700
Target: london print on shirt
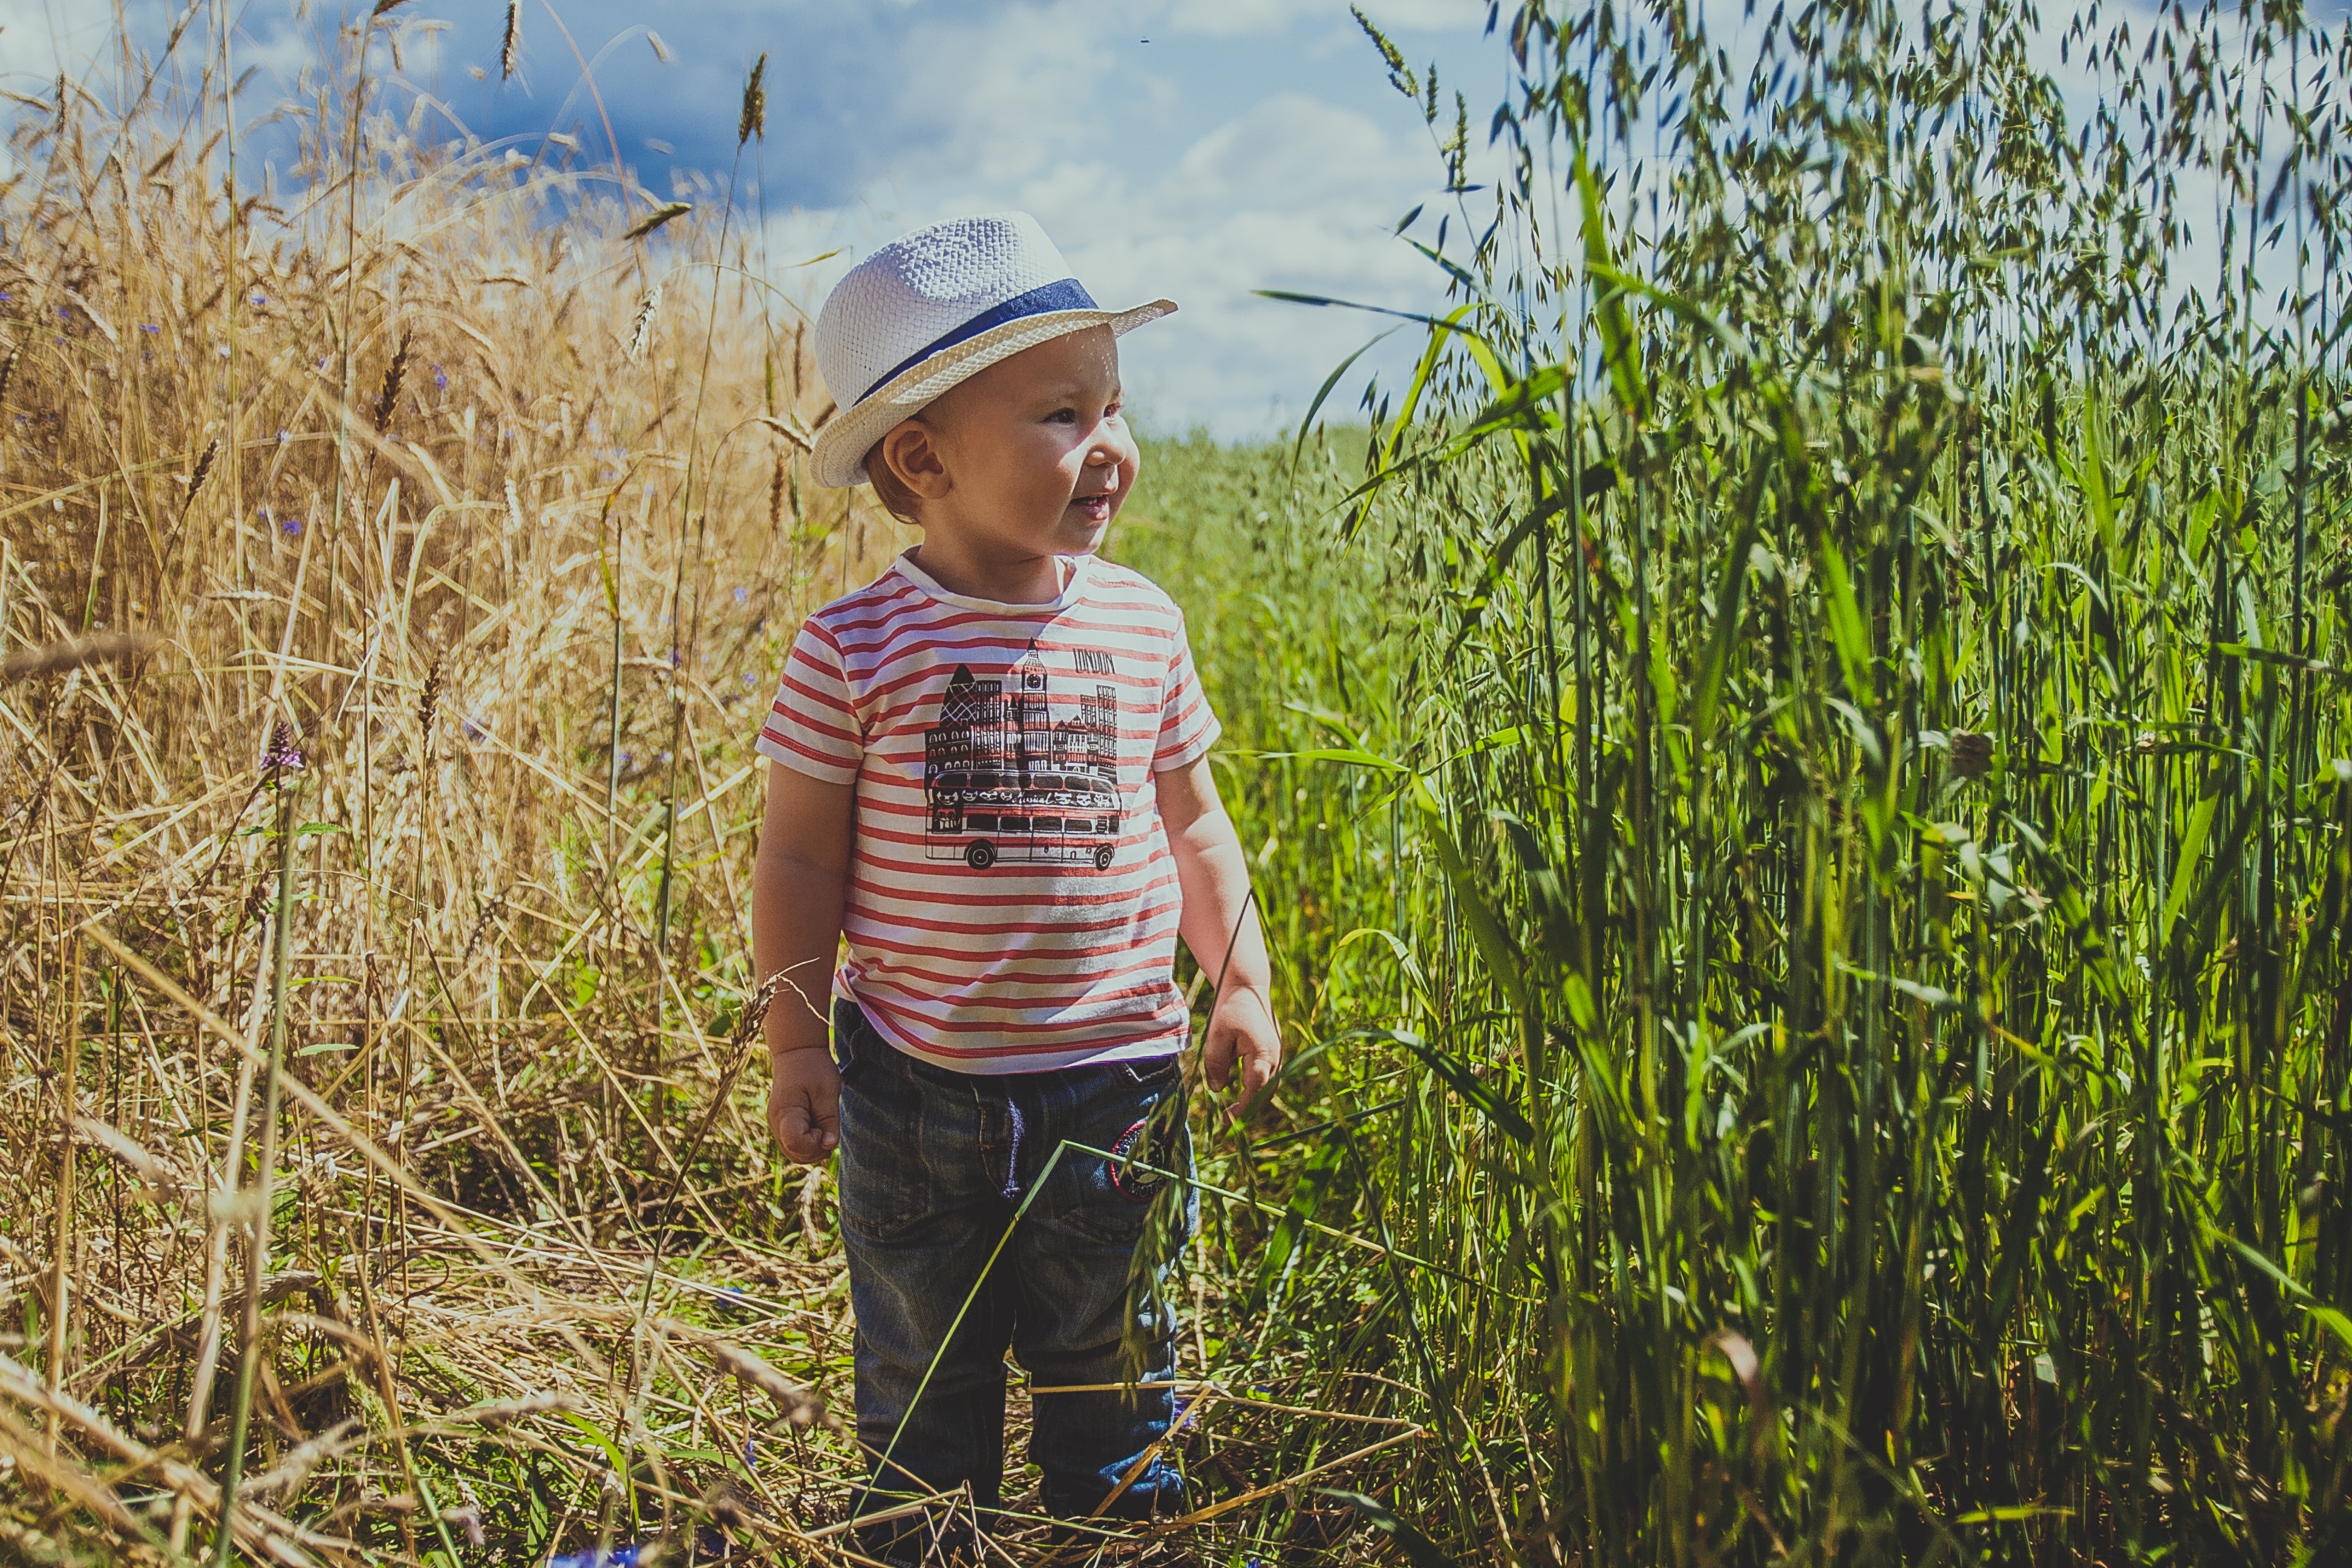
1007,782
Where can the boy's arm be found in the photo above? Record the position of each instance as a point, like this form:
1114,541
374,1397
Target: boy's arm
1219,916
798,883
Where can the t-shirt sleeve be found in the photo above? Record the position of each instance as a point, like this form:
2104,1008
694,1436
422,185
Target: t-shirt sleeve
1187,728
812,727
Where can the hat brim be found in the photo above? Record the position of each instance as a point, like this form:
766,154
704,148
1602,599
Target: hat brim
839,457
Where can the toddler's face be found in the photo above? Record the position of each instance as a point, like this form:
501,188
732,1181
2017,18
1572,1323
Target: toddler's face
1035,449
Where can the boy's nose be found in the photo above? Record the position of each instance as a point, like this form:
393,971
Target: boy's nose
1108,450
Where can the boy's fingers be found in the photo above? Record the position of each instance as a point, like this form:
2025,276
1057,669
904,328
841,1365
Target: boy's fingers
1217,1059
806,1122
1246,1082
1260,1059
1266,1056
1253,1079
824,1115
805,1138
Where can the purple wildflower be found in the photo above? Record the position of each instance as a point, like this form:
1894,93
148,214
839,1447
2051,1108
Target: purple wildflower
742,595
440,378
290,527
149,327
283,756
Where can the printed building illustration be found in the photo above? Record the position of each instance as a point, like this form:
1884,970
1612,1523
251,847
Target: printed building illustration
1006,781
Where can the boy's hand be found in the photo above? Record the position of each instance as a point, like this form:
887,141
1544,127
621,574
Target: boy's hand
804,1103
1242,1025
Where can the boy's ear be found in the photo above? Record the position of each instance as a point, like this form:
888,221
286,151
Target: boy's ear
911,451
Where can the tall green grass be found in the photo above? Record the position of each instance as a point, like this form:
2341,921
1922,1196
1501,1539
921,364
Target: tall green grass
1801,784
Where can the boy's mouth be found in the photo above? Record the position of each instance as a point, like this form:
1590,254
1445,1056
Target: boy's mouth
1093,509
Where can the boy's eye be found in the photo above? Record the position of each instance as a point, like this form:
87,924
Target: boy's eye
1063,417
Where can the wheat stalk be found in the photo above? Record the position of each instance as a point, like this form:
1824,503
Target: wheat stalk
510,48
387,402
754,120
641,328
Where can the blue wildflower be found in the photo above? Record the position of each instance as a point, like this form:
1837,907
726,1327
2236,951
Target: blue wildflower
599,1557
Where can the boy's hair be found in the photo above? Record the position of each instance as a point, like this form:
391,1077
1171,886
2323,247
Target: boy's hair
888,487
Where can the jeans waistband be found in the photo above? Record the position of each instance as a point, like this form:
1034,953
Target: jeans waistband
856,1040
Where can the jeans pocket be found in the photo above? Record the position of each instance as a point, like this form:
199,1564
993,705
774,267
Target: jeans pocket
1153,1071
1111,1200
886,1183
853,1037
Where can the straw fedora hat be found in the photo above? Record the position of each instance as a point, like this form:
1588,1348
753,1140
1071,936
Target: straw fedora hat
932,307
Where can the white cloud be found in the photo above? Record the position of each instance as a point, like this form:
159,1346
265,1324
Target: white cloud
1292,192
1230,18
39,38
1009,93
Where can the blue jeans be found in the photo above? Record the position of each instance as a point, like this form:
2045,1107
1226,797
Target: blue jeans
934,1164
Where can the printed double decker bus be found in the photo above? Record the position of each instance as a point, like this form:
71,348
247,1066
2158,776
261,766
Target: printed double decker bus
981,817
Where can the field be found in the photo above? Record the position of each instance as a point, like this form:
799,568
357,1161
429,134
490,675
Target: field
1799,775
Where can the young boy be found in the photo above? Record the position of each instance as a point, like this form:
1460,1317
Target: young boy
991,777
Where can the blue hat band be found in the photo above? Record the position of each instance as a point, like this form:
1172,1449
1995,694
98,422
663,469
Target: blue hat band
1068,294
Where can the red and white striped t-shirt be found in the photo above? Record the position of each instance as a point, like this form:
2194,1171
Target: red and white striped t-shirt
1013,902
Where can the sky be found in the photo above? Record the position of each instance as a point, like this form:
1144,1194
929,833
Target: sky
1195,149
1200,150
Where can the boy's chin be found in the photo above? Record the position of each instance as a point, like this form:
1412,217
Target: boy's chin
1083,538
